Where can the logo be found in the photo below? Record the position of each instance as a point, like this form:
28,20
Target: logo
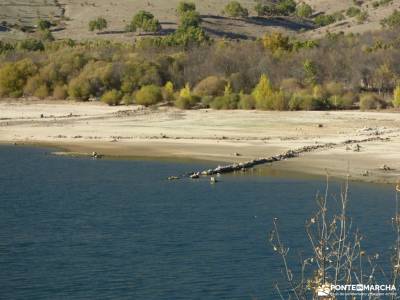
328,290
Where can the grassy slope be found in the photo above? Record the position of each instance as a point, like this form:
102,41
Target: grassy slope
119,12
351,24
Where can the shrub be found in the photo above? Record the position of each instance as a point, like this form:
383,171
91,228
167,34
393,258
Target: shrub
290,85
303,101
60,92
32,84
139,73
392,21
189,19
296,101
279,101
396,96
269,9
46,35
94,79
13,77
229,101
43,24
353,11
347,100
318,91
341,102
186,37
112,97
98,24
30,45
128,99
206,100
149,95
211,86
42,92
334,88
260,9
79,89
6,47
362,17
285,7
246,102
144,21
234,9
276,41
184,7
185,99
304,10
371,101
324,20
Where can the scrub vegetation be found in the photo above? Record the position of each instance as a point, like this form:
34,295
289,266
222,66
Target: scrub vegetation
189,69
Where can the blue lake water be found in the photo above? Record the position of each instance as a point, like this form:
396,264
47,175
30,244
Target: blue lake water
114,229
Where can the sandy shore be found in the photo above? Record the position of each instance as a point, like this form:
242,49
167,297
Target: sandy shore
220,136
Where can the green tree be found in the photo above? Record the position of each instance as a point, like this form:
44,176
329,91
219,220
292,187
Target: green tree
285,7
263,9
234,9
98,24
144,21
304,10
184,7
189,19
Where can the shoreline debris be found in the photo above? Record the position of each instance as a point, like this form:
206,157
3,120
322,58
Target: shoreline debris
243,166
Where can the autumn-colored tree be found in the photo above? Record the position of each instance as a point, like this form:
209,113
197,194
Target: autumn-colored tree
396,96
276,42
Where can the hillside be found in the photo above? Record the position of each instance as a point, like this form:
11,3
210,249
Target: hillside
72,17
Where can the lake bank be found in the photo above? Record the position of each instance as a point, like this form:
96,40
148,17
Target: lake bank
215,136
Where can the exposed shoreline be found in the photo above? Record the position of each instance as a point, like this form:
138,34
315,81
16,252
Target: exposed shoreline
218,137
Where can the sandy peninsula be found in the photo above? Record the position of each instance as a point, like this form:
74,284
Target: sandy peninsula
215,136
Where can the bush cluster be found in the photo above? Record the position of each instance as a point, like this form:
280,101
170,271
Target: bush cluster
275,72
144,21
